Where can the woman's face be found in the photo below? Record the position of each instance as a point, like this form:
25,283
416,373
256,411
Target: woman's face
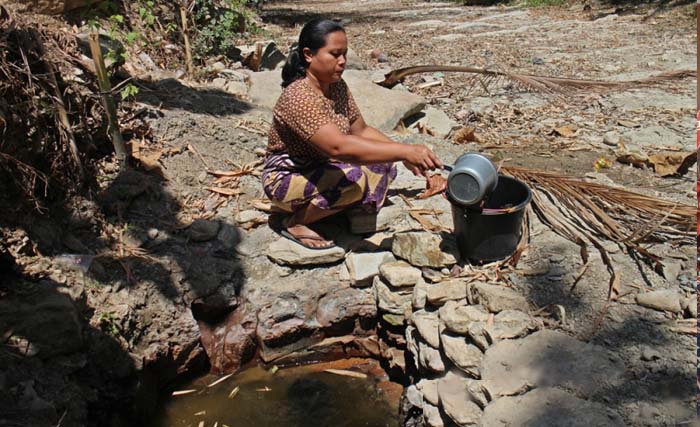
328,63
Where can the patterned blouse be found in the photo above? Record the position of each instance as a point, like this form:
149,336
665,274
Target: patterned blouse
301,111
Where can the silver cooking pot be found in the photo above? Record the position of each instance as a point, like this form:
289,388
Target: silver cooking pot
472,178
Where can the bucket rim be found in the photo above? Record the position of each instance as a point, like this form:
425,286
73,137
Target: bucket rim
520,206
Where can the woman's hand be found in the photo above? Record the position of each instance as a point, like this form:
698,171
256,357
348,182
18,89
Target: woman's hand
419,159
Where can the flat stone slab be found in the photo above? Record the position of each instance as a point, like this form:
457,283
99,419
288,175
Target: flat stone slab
548,407
423,249
465,356
662,300
498,298
400,273
364,266
390,301
458,397
439,293
549,359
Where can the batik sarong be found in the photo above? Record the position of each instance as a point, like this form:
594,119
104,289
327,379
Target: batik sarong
292,184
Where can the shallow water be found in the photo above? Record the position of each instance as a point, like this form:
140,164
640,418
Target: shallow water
295,397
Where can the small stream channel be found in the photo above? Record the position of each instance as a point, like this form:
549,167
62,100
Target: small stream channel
304,396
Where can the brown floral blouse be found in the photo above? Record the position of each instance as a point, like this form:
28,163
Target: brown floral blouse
301,111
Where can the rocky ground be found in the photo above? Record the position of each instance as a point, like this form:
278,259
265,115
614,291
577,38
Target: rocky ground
186,276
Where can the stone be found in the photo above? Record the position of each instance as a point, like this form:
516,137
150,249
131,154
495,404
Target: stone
390,301
236,88
662,300
265,89
271,57
450,37
440,293
431,275
420,294
284,251
414,396
46,326
368,222
400,273
429,389
152,233
230,343
423,249
229,236
648,354
611,138
249,215
549,407
479,335
465,356
457,401
509,324
394,319
435,121
693,307
498,298
365,266
353,61
430,23
432,417
344,305
457,316
549,359
429,358
427,324
202,230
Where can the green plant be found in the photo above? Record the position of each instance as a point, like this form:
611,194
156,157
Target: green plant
128,91
220,22
108,323
146,13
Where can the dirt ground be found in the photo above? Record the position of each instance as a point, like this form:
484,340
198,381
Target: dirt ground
198,130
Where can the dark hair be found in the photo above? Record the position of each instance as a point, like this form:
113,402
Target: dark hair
312,36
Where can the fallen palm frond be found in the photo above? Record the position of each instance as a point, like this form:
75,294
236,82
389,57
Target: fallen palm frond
585,212
531,82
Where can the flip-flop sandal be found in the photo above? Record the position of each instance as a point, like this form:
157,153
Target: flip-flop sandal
298,239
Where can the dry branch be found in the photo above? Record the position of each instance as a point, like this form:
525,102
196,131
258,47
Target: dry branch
539,83
585,212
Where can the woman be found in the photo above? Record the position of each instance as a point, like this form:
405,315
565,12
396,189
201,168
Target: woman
322,157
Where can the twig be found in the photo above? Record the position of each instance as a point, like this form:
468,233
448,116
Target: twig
188,50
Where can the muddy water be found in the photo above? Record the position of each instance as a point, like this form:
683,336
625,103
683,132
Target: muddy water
294,397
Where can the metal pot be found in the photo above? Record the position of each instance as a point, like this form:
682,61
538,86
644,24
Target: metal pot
472,178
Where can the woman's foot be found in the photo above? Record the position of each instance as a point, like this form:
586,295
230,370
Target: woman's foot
305,236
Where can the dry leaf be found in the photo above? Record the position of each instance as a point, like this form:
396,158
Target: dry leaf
226,191
427,225
672,163
566,131
434,184
465,135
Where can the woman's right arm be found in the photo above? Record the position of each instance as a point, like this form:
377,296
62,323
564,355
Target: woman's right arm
356,149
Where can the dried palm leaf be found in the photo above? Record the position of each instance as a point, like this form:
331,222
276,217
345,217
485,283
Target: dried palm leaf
531,82
585,212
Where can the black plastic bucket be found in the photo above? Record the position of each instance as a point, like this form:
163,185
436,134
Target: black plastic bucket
492,232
